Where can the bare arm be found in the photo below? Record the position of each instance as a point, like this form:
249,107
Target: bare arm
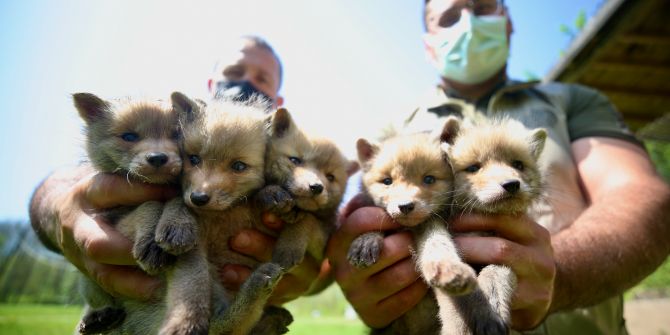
63,214
624,234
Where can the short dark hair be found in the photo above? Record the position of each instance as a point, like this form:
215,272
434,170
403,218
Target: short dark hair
262,43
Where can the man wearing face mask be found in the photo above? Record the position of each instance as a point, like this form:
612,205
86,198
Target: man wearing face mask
63,208
602,226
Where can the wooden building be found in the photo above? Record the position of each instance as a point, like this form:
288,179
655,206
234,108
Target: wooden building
624,51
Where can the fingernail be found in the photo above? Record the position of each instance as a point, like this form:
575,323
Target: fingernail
229,276
242,240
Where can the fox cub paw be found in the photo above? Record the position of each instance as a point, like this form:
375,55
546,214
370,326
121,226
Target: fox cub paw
265,278
177,237
151,257
288,258
492,325
276,199
275,320
454,279
365,249
101,320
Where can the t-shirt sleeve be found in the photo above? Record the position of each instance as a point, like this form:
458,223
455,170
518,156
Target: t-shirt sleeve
590,113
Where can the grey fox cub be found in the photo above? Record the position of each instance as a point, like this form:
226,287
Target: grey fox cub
137,139
247,157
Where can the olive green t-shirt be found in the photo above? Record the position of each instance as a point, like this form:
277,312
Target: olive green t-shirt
568,112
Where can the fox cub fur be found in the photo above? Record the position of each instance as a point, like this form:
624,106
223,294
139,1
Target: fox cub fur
409,177
496,171
137,139
421,180
226,163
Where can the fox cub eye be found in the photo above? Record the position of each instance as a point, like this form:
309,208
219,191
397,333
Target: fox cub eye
428,180
130,137
194,159
518,165
330,177
387,181
473,168
295,160
239,166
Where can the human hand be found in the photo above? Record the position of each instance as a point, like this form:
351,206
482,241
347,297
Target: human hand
95,247
386,290
259,246
525,247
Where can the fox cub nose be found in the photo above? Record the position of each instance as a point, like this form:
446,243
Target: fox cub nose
316,189
157,159
406,208
199,198
511,186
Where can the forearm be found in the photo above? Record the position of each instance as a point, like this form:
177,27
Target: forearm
43,213
621,238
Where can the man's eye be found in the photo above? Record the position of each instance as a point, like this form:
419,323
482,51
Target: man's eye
295,160
239,166
130,137
387,181
194,159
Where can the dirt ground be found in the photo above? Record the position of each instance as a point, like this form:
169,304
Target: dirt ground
648,316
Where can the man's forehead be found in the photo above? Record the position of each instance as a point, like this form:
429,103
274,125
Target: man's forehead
244,51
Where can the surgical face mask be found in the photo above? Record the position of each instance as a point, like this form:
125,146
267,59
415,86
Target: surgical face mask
472,50
239,90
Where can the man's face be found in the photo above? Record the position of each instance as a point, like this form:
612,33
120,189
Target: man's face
442,14
254,64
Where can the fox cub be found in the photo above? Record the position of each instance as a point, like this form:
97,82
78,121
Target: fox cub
496,171
409,177
137,139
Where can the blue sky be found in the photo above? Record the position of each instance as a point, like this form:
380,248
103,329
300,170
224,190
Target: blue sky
350,65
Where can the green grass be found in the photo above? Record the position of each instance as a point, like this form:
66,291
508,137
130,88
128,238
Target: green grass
27,319
323,314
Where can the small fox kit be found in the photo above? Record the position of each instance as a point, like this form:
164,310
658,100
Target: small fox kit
410,178
137,139
306,179
495,166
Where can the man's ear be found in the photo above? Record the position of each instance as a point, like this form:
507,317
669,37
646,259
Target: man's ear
279,101
429,51
90,107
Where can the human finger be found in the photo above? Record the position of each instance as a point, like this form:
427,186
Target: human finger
382,313
103,190
272,221
100,242
123,281
232,276
358,201
253,243
520,229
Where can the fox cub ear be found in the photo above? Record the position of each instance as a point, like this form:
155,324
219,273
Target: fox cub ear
366,151
352,167
281,123
90,107
536,140
450,130
187,109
